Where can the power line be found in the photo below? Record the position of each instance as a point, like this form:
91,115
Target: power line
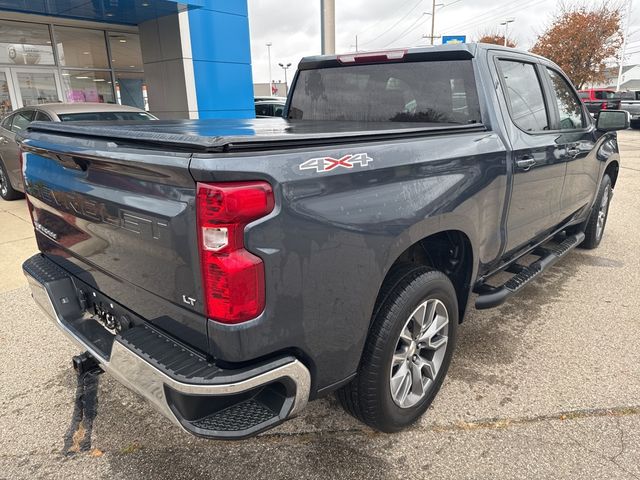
395,24
382,20
406,32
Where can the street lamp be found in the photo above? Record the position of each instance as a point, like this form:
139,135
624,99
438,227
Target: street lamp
506,23
270,77
285,68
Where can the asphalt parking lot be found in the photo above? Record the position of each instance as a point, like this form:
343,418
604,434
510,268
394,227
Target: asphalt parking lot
546,386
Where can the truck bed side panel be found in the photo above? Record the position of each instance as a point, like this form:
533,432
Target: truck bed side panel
335,234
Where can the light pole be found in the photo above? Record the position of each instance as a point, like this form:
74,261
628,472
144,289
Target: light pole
286,84
328,26
270,78
506,23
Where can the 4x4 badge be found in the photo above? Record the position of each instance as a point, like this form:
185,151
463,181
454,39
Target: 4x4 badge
327,164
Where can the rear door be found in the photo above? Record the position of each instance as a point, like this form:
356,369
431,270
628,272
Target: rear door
575,137
536,161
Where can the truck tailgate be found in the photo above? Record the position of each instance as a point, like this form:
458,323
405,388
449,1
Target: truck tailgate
123,220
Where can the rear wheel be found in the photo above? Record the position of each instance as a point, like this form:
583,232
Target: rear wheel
408,350
7,192
597,221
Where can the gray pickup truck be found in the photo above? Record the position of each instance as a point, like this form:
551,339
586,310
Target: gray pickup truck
630,102
230,271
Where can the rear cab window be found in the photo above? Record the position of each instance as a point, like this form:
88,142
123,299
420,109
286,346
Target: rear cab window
426,92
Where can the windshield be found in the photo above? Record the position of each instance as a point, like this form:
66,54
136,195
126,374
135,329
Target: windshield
104,116
440,92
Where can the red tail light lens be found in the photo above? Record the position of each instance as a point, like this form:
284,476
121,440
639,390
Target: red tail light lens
233,278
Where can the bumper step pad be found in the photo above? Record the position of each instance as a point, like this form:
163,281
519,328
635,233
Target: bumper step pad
493,296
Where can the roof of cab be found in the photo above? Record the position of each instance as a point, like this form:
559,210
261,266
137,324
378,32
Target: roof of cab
454,51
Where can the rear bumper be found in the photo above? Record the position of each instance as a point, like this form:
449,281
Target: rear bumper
197,395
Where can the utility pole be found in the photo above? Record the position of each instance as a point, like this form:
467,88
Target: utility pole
356,43
270,77
328,26
624,45
285,68
432,37
506,23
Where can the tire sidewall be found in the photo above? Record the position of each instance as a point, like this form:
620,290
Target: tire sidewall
604,186
427,286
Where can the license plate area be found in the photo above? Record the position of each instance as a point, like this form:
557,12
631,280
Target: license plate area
102,319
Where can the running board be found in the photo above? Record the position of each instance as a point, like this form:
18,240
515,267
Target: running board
493,296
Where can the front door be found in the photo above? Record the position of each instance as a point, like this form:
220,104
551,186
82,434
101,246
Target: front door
577,139
34,86
536,161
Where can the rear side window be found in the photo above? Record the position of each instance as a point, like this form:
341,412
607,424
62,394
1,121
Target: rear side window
603,94
569,106
21,121
104,116
524,94
437,92
41,117
6,122
265,110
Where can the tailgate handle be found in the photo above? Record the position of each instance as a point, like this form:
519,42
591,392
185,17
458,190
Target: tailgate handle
76,163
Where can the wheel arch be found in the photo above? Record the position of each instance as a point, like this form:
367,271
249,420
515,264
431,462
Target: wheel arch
450,251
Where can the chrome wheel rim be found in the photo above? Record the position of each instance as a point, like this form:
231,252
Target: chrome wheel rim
3,183
419,353
602,212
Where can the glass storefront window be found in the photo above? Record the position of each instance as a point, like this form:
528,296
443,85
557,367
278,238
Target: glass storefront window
81,47
37,87
131,90
25,44
80,86
125,51
5,97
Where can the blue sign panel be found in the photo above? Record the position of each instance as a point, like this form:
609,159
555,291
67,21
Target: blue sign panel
447,39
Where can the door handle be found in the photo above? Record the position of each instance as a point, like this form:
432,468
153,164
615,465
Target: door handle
573,152
525,163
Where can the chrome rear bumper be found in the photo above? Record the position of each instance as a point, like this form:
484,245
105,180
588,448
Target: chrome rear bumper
156,386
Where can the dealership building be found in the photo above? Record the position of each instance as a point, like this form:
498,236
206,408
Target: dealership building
177,59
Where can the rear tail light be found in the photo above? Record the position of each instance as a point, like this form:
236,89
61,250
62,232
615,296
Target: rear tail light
233,278
603,106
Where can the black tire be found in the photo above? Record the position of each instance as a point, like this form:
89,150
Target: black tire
368,396
7,192
593,234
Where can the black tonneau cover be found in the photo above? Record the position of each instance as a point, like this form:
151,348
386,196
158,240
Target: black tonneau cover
244,134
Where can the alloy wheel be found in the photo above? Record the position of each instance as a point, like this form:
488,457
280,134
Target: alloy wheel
419,353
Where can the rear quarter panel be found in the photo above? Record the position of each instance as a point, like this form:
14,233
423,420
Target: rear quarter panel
334,235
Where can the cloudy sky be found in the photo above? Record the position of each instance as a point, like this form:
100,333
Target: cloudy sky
293,26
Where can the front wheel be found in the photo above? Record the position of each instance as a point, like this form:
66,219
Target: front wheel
594,230
408,350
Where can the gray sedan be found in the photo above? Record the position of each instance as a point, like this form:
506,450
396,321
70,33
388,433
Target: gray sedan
11,186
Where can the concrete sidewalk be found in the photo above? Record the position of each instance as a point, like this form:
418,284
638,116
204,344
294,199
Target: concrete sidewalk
546,386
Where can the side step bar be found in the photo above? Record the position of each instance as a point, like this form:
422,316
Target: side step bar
493,296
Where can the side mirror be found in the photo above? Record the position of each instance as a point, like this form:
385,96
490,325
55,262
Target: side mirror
612,120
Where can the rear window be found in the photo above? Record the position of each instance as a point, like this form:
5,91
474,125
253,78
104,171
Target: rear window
104,116
604,94
439,92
